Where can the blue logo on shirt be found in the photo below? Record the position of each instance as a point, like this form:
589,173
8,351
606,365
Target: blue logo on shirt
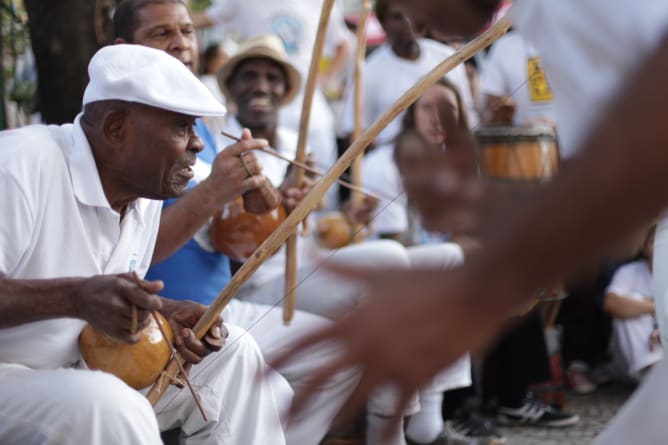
290,30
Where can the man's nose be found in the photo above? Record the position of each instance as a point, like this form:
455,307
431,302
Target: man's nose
196,143
178,41
262,84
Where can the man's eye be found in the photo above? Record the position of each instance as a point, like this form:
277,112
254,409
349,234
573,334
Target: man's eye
184,128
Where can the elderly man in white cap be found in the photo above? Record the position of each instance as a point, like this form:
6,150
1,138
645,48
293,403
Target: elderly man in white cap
196,272
81,211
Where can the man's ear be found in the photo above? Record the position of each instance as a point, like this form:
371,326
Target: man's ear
114,127
118,40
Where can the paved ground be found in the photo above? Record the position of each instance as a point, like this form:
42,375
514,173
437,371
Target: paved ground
595,410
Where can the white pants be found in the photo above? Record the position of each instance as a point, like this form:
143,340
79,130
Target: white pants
630,344
73,406
265,324
660,276
322,293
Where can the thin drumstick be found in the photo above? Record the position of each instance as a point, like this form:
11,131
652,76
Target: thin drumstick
133,321
198,402
360,58
311,200
305,166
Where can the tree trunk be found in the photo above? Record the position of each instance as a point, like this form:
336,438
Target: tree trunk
64,35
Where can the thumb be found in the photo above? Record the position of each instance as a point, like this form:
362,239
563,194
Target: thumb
152,287
246,134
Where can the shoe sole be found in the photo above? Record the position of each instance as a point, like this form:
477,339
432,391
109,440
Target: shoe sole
507,421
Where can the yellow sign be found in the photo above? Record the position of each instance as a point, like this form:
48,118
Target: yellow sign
539,89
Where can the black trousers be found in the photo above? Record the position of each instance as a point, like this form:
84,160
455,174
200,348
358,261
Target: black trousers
519,359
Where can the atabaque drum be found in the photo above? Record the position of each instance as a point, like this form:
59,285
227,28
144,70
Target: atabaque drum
518,154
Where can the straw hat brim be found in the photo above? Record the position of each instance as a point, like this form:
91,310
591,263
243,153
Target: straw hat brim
293,77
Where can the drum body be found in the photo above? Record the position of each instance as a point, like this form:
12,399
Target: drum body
518,154
335,231
139,364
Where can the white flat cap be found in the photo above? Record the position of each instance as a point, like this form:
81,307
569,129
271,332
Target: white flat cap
137,73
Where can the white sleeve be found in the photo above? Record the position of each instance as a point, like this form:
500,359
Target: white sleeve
623,281
492,80
16,224
384,179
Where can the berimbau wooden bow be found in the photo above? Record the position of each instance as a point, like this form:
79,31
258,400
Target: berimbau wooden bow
309,90
356,168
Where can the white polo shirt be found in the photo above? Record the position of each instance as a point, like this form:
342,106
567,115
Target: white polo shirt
56,222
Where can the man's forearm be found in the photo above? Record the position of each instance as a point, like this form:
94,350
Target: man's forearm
25,301
623,307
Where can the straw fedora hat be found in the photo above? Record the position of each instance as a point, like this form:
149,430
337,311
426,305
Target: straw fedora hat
266,46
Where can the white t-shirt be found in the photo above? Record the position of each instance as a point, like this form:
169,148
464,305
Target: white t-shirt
56,222
588,48
634,281
381,175
513,69
386,77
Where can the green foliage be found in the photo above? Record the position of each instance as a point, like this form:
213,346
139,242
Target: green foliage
199,5
15,41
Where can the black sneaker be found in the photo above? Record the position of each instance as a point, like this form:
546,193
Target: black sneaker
478,428
533,412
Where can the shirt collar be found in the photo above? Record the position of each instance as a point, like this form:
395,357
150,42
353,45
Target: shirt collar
86,181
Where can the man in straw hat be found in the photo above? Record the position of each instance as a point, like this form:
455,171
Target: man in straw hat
81,210
611,57
295,22
197,272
